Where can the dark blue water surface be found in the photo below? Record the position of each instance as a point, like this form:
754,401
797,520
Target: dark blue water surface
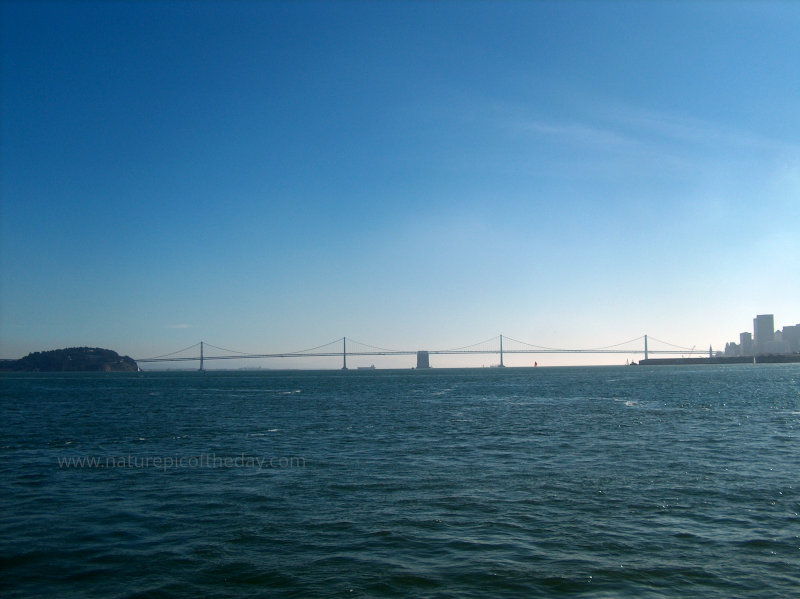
590,482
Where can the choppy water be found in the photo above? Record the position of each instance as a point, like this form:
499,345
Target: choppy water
590,482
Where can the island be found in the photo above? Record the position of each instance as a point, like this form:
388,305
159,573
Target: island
71,359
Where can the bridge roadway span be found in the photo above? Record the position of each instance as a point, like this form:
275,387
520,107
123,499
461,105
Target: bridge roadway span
422,355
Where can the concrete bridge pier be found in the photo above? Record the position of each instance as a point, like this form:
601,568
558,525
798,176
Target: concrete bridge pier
423,359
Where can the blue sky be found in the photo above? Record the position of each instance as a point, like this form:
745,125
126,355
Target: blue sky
271,176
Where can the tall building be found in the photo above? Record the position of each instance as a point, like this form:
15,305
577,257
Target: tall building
746,344
791,335
763,328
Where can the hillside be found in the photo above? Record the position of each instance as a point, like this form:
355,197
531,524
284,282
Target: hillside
72,359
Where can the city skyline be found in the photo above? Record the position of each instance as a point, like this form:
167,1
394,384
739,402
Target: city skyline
765,339
276,175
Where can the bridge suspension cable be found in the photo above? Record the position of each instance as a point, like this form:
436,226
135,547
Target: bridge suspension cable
532,345
591,349
233,351
310,349
175,352
351,340
671,344
466,347
640,338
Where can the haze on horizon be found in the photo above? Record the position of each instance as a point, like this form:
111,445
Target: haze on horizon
271,176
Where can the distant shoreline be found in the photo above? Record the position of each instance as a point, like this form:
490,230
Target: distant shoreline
766,359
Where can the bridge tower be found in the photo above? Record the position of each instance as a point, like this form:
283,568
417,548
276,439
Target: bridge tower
645,347
423,359
501,352
344,353
201,357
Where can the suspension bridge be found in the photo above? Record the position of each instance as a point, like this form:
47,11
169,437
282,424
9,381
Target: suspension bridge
500,346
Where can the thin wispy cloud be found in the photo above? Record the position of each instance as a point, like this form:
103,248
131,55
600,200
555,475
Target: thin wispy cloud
575,132
692,130
611,136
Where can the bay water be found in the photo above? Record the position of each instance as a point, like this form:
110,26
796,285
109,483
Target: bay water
541,482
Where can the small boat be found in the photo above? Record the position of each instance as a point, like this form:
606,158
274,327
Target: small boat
370,367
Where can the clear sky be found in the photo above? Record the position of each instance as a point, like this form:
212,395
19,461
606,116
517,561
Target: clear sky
271,176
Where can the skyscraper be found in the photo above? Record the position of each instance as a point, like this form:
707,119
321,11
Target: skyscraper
746,344
764,328
791,335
